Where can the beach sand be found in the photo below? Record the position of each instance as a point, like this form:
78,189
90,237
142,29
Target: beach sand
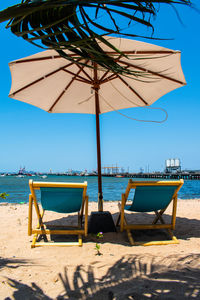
121,272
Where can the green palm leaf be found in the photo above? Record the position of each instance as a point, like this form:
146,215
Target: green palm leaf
61,24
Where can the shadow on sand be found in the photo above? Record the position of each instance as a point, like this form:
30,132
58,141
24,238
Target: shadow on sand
133,277
12,263
185,229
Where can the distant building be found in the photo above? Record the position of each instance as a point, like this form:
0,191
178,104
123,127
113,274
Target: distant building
111,170
172,165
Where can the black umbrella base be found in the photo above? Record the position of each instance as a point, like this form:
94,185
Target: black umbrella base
101,221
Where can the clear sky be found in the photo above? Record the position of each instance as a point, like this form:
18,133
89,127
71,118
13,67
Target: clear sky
39,141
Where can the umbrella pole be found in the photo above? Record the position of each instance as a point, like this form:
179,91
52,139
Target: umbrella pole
97,111
100,221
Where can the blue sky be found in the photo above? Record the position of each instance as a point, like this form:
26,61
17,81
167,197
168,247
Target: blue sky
39,141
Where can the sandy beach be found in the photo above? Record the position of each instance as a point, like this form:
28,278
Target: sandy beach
121,272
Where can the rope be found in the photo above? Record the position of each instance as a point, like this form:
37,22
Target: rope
134,119
83,101
132,102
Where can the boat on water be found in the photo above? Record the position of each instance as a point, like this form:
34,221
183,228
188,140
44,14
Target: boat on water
22,173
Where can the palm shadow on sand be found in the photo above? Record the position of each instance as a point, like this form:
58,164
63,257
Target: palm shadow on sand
133,277
13,263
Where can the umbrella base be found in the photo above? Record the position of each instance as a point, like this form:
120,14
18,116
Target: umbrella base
101,221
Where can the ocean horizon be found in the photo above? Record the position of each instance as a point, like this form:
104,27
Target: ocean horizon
18,188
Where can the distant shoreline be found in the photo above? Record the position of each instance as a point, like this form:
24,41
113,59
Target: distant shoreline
192,175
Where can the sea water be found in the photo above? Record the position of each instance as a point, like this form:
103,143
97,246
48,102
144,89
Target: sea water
113,187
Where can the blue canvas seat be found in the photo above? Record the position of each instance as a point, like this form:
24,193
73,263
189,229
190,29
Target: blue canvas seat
59,197
150,196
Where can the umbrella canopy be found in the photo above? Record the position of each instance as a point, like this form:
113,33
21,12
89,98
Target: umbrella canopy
56,85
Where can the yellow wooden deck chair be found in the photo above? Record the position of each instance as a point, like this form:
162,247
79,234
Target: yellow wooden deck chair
59,197
150,196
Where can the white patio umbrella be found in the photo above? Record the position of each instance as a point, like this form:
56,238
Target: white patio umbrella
56,85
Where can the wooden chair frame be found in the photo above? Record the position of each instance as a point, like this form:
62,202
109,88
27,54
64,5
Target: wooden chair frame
41,228
169,227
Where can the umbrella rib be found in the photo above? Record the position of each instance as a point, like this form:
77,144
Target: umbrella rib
88,76
41,78
78,76
111,77
145,52
87,82
107,52
101,80
66,88
136,93
152,72
104,75
39,59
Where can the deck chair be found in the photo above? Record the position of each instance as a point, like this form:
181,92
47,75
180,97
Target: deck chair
150,196
59,197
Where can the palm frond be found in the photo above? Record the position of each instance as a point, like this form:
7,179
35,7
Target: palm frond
77,25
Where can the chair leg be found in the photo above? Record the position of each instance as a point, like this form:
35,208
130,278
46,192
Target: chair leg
34,240
122,218
130,237
161,212
158,217
82,209
80,242
129,234
173,236
86,217
30,215
41,225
